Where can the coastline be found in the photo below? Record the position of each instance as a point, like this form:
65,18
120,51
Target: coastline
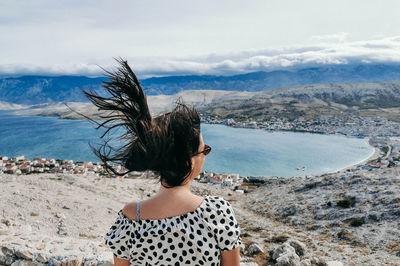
372,156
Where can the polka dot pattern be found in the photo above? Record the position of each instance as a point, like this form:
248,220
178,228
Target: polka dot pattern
196,238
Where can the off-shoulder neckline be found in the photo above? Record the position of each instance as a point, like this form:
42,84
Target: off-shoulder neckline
205,200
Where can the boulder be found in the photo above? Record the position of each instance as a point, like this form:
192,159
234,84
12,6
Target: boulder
288,259
299,247
254,249
42,258
306,262
282,249
24,254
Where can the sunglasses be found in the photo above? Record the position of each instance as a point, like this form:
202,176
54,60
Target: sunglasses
206,151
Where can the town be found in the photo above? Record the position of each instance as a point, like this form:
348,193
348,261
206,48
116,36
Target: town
382,134
20,165
349,125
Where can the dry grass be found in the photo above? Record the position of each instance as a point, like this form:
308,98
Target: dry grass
393,245
87,236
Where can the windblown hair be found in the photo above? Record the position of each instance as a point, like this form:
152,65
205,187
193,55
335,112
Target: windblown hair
164,144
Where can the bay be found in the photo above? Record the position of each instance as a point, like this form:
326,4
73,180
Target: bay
248,152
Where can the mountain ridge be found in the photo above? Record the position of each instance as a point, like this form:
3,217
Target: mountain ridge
36,89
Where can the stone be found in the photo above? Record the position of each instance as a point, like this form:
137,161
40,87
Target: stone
53,250
10,260
305,262
72,261
248,264
105,263
288,259
41,247
90,262
69,247
334,263
254,249
25,263
282,249
2,258
3,230
6,222
299,247
8,252
60,215
54,262
242,248
25,254
42,258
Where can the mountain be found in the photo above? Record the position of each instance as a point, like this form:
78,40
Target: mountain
41,89
306,101
258,81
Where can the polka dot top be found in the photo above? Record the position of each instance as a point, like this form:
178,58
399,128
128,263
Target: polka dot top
195,238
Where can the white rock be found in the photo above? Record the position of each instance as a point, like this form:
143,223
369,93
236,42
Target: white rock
54,262
254,249
334,263
305,262
9,260
73,261
105,263
25,263
4,230
7,251
25,254
60,215
282,249
248,264
41,258
90,262
298,246
288,259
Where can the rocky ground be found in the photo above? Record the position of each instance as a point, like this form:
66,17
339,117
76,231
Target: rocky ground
349,217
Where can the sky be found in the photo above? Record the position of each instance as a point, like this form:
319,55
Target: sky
180,37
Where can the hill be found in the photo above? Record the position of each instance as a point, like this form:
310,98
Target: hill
307,101
44,89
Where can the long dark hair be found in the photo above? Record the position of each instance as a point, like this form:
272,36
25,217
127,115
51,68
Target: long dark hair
164,144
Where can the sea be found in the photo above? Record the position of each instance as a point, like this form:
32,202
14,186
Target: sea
248,152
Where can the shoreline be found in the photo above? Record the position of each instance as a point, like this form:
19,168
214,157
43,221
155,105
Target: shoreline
374,154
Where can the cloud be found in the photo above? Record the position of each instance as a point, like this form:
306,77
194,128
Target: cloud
329,38
333,49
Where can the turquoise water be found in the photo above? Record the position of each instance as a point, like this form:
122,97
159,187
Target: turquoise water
235,150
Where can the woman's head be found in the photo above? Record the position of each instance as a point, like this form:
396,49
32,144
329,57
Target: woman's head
167,144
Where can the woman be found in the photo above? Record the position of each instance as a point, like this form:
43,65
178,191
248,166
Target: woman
174,227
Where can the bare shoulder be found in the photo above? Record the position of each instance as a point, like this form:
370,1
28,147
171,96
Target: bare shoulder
130,210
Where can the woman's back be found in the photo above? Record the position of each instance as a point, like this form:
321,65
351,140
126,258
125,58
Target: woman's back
164,205
197,237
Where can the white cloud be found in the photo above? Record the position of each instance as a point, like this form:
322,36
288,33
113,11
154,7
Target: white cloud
329,38
371,51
